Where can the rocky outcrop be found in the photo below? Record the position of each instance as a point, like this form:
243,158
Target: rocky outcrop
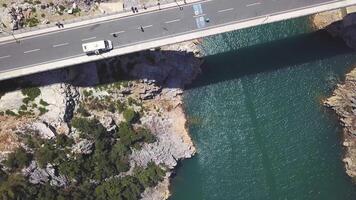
37,175
343,102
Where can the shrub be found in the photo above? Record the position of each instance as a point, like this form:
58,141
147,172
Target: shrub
61,8
4,5
42,110
31,93
81,110
46,154
130,115
18,159
44,103
63,140
10,112
120,106
43,15
31,22
37,2
33,9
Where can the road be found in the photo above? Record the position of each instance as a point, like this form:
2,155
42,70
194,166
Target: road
159,24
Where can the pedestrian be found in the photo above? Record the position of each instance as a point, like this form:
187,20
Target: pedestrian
185,1
144,6
58,25
142,29
136,9
132,8
62,25
114,35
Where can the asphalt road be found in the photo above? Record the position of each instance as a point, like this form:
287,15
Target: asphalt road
160,24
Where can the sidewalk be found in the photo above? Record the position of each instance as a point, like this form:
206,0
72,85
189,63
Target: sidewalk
22,33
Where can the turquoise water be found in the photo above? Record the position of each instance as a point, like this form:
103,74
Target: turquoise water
257,119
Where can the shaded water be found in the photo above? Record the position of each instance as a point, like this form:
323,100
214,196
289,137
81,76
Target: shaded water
257,119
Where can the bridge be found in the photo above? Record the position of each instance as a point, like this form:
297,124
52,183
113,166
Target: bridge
54,48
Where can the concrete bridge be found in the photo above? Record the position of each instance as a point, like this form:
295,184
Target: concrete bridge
52,48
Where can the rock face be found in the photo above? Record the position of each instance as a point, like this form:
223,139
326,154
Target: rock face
39,175
343,102
346,29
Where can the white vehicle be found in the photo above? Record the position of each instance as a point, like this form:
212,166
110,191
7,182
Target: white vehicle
97,47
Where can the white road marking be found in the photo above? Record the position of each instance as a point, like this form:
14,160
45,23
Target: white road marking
176,20
5,56
59,45
253,4
33,50
85,39
117,32
225,10
202,15
147,26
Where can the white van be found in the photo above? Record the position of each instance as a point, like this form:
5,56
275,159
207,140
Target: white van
97,47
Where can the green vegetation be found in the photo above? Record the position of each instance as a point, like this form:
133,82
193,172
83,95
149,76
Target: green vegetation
130,115
42,110
33,10
44,103
32,22
10,112
18,159
37,2
31,93
43,15
61,8
4,5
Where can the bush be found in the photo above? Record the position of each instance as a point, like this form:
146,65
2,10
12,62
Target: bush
31,93
130,115
44,103
47,153
37,2
63,140
18,159
42,110
61,8
81,110
43,15
33,10
4,5
10,112
31,22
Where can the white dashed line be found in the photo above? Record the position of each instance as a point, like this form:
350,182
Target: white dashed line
33,50
225,10
253,4
59,45
85,39
117,32
147,26
5,56
176,20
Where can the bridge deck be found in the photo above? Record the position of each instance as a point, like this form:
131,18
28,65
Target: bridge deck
163,24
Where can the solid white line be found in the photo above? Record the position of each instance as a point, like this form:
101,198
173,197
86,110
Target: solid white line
117,32
5,56
85,39
176,20
228,9
33,50
147,26
253,4
58,45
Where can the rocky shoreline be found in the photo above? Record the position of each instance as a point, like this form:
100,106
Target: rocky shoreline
150,83
343,100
